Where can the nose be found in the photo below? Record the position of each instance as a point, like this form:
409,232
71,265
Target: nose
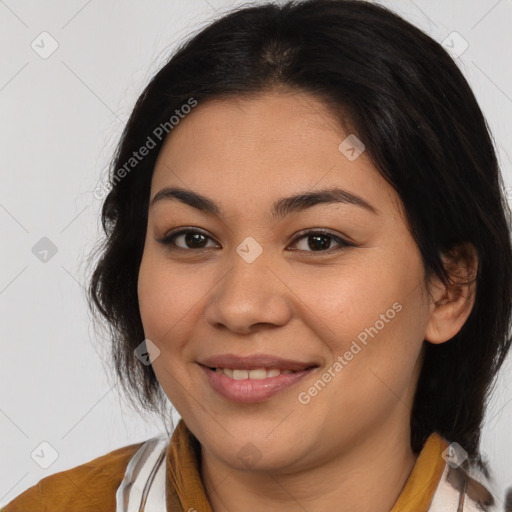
248,296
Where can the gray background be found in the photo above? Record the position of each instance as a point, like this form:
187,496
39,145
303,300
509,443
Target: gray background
60,119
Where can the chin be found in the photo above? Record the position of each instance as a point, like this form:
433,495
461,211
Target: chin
254,452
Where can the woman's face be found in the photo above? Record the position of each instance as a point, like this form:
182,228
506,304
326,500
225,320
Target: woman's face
247,280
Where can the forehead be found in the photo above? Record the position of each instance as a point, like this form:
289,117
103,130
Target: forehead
260,148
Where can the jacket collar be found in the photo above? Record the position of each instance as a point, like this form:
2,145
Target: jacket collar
165,476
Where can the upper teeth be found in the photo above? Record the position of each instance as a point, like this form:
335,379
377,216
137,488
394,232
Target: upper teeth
256,373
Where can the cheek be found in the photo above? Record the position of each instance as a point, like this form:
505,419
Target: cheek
163,308
170,298
159,298
355,300
376,318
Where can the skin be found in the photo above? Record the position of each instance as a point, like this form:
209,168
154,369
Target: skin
348,448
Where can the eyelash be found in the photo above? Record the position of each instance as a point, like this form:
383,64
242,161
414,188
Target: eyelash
168,240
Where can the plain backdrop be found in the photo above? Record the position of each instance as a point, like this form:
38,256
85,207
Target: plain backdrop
61,115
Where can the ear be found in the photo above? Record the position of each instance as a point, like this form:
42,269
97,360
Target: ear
452,303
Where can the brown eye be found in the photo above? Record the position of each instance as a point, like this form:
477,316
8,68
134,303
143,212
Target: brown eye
320,241
190,240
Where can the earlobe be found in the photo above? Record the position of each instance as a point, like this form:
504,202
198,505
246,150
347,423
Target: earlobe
452,302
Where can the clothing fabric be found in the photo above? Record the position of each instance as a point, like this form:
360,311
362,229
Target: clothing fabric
163,475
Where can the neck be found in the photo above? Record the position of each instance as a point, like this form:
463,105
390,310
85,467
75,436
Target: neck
370,476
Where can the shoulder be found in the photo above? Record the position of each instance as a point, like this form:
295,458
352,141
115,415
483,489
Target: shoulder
88,487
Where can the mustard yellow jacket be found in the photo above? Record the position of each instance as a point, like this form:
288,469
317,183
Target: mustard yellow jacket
109,483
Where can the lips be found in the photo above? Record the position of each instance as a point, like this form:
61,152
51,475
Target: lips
266,361
256,373
254,378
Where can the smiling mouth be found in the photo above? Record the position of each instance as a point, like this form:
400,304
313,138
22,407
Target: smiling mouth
256,384
255,373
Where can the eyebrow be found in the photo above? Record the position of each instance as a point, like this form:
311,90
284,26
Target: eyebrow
280,209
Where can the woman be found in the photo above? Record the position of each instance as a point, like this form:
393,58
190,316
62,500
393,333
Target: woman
308,255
